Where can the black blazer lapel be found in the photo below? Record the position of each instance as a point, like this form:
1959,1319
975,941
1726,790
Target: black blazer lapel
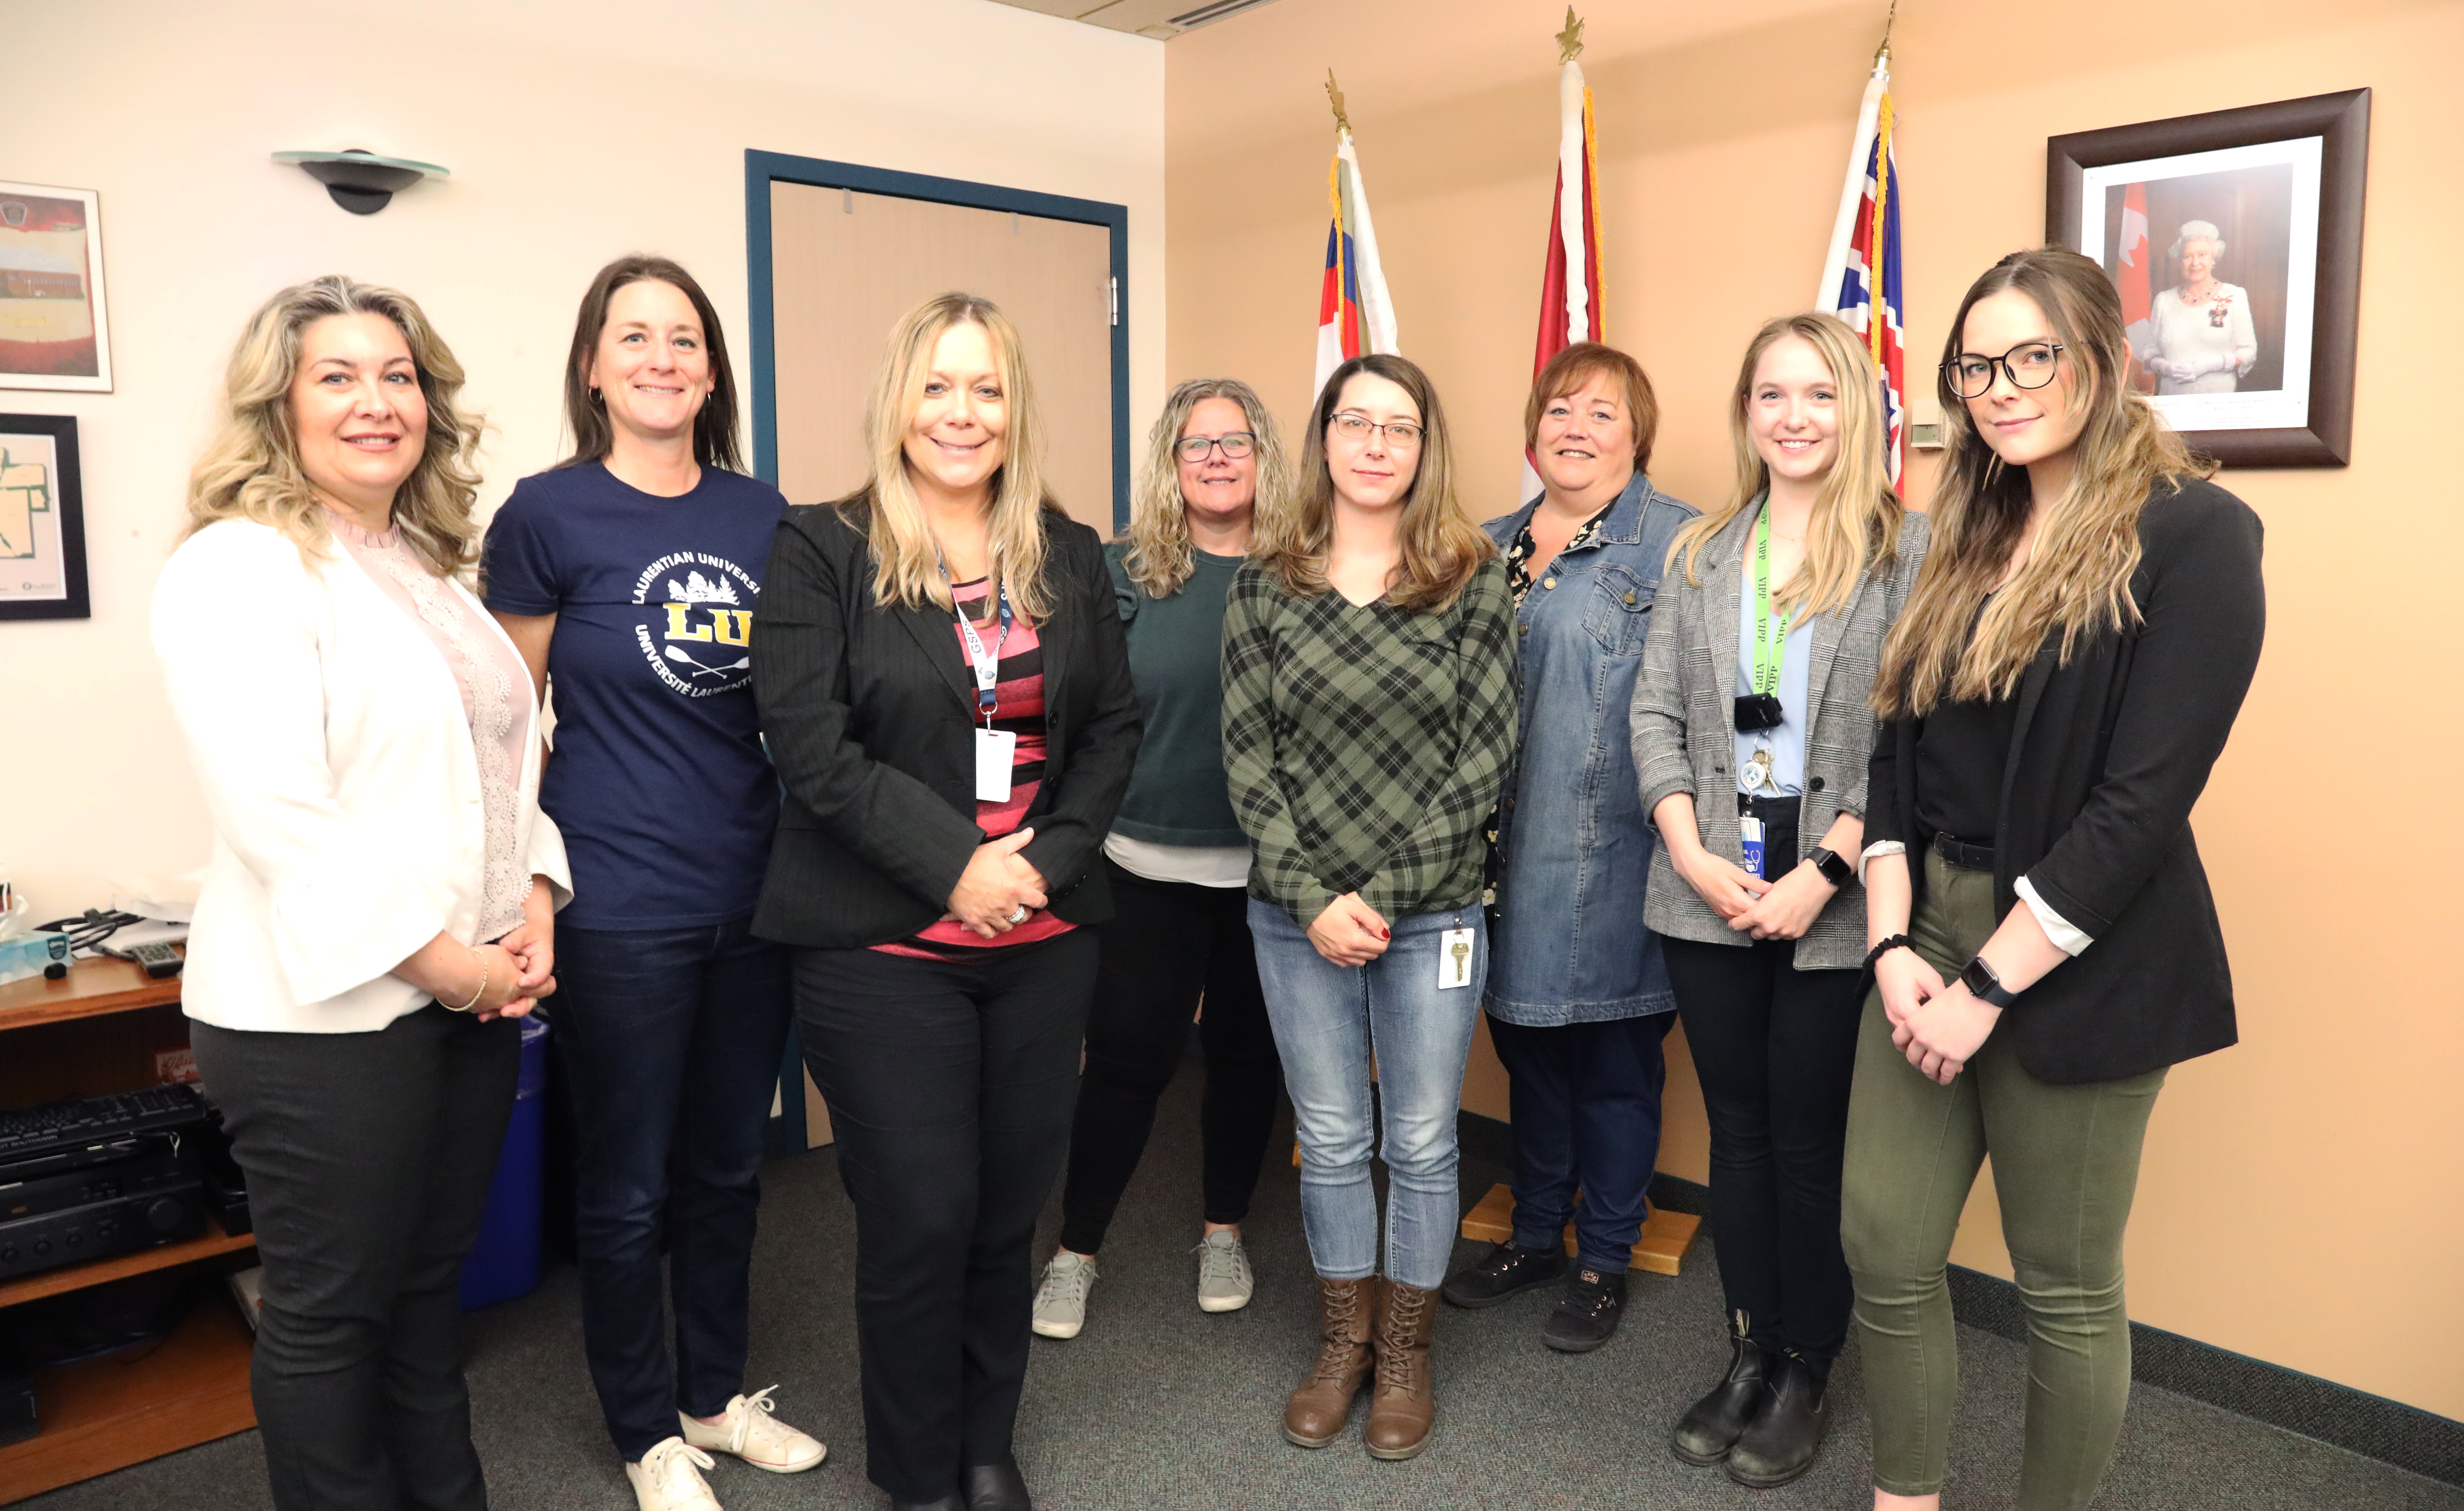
935,631
2031,691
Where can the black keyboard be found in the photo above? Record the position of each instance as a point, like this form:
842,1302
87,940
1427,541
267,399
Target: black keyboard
31,1133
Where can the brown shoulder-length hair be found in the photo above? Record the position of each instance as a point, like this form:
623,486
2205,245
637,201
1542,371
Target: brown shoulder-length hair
1576,367
585,413
1855,532
1441,550
908,569
2077,577
1160,557
249,468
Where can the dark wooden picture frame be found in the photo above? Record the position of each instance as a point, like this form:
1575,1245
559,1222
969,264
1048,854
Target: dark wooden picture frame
2343,121
67,501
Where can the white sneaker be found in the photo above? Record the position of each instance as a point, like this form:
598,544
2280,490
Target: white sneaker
669,1479
1224,1280
1061,1301
749,1432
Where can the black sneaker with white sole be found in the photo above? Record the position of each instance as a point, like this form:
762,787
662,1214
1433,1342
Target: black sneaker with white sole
1589,1314
1503,1273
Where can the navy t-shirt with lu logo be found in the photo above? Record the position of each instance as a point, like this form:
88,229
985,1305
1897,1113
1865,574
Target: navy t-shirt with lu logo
658,777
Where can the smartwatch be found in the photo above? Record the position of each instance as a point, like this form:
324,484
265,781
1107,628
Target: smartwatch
1835,871
1984,986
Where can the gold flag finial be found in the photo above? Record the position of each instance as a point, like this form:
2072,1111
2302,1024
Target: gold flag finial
1569,41
1890,18
1335,98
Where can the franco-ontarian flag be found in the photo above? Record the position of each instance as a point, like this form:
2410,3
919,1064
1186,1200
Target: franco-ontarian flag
1861,276
1355,314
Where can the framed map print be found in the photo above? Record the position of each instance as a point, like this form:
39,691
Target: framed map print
42,520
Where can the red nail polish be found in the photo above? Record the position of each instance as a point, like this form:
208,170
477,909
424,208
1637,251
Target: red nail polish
1385,933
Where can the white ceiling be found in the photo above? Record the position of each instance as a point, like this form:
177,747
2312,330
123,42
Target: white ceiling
1161,19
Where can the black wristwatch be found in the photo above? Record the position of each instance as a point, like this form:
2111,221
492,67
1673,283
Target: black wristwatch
1984,986
1835,871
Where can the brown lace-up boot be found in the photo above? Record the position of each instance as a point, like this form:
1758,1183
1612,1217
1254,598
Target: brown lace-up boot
1314,1415
1403,1406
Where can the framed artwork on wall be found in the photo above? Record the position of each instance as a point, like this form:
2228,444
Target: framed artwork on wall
53,331
42,520
2235,238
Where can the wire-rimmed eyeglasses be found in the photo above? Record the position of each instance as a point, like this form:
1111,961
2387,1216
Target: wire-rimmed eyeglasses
2028,365
1235,445
1402,435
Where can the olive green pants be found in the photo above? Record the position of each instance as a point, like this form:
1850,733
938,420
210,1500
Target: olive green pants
2065,1166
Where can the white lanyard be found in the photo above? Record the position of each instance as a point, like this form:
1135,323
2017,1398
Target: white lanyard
987,663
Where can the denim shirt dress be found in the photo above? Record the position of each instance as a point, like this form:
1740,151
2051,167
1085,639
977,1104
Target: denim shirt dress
1567,943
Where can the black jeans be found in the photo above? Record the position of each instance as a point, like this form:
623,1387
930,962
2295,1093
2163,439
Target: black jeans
1774,1048
1585,1099
670,1041
1169,943
369,1158
950,1085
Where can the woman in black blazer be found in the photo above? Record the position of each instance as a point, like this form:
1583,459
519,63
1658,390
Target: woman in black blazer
946,694
2044,946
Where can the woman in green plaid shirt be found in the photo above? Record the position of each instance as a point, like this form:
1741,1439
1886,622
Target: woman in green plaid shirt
1368,716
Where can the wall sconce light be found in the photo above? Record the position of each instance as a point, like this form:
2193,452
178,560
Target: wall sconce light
358,179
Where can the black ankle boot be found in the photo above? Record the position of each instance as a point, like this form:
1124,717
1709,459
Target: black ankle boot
1781,1442
995,1487
1713,1425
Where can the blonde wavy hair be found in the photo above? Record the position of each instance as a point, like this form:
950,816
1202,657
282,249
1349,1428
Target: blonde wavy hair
909,569
2078,575
250,469
1855,532
1441,550
1159,555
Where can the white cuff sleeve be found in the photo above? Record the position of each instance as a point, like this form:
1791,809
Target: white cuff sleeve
1880,847
2057,928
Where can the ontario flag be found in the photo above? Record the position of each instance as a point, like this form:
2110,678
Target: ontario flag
1861,281
2131,279
1355,314
1570,306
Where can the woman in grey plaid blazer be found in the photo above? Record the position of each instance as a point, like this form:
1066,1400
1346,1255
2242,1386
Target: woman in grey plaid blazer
1751,741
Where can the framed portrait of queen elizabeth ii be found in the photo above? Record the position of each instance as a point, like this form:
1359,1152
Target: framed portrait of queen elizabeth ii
2235,239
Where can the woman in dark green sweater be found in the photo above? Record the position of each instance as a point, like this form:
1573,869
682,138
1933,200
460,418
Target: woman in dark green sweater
1368,716
1178,859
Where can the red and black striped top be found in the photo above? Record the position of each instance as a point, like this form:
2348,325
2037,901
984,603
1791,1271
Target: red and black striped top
1018,706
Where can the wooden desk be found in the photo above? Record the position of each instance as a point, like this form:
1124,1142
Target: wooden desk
97,1030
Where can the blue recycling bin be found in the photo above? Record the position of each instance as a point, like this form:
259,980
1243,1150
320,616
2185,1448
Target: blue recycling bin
505,1262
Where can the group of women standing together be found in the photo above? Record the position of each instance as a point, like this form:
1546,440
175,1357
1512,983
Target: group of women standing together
934,773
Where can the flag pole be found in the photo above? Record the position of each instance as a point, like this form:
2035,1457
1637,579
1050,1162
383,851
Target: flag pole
1844,225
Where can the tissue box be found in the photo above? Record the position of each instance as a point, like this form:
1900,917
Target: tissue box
27,954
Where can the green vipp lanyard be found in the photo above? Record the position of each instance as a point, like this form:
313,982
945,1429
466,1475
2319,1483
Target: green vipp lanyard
1770,638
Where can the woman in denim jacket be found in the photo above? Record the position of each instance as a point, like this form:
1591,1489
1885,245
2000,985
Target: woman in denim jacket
1577,998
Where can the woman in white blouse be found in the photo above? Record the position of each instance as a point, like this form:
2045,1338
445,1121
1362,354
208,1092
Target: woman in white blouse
2200,339
381,895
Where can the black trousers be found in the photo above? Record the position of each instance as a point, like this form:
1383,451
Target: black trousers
950,1085
369,1158
1170,944
1774,1048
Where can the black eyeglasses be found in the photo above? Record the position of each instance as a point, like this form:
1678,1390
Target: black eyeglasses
1237,445
1402,435
2030,365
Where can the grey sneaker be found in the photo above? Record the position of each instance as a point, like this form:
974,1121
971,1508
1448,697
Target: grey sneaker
1061,1301
1223,1283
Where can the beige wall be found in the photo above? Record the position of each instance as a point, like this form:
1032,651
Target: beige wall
2300,1196
575,132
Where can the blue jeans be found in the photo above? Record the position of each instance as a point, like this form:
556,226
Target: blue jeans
1586,1104
1329,1020
670,1041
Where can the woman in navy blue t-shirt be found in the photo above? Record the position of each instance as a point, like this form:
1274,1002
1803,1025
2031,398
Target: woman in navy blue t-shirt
629,576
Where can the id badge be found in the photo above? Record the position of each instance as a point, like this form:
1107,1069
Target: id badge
1454,959
996,750
1751,829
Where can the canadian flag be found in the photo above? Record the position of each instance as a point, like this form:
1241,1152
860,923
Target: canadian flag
1571,306
2130,278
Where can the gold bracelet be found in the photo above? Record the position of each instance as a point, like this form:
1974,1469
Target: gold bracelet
484,969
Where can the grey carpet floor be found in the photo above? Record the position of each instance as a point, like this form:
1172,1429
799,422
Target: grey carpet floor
1157,1405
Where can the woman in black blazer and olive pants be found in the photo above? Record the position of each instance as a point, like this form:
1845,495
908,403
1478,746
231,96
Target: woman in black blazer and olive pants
2062,678
946,694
